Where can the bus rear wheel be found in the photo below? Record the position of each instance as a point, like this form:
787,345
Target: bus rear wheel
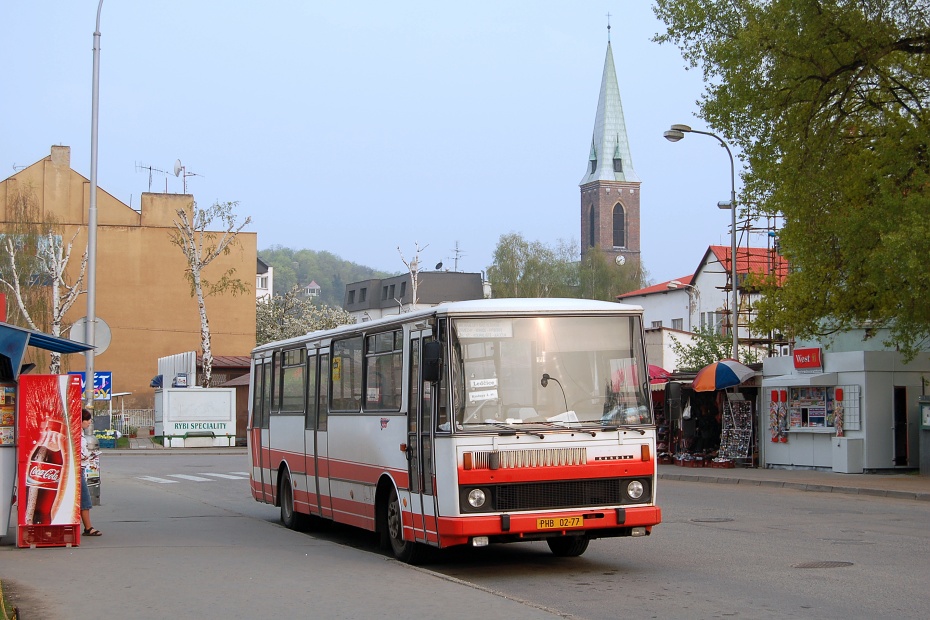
568,546
404,550
289,517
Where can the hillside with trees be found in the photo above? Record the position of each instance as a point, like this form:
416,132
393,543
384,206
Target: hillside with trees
300,267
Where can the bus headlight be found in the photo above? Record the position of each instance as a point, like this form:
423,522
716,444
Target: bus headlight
635,489
477,498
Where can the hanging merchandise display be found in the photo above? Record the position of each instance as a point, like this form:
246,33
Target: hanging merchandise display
736,437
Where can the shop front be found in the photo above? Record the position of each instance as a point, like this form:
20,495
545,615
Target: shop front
846,412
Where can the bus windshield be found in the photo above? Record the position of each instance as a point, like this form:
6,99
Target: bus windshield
550,370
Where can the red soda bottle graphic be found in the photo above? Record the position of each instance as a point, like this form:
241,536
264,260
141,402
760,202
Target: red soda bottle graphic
44,474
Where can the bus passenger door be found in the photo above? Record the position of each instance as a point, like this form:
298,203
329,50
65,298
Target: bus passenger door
420,446
259,436
321,464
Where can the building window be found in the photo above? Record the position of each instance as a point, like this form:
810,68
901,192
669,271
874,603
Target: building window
403,289
656,324
618,165
619,227
678,324
592,234
351,297
363,295
384,292
391,291
262,282
713,321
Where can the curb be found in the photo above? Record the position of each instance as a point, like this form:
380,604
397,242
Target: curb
801,486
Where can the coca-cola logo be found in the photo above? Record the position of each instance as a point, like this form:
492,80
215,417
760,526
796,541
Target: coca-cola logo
43,475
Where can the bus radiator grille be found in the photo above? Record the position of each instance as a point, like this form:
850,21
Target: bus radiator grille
516,459
563,494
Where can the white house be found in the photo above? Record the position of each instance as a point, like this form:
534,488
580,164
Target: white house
702,299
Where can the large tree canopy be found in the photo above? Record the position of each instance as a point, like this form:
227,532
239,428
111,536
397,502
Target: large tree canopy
828,101
524,268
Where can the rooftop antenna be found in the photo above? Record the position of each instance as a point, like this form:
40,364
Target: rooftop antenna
458,254
181,171
151,170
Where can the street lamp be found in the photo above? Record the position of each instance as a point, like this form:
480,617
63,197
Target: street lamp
90,329
693,293
676,133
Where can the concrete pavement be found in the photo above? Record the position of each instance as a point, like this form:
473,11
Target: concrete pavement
905,485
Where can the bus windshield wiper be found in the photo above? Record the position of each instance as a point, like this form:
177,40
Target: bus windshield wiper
567,427
622,427
515,429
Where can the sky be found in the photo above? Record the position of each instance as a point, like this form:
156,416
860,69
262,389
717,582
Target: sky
357,128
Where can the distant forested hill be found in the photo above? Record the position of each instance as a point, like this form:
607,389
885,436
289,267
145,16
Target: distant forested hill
332,273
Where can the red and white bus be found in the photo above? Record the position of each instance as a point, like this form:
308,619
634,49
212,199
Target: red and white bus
467,423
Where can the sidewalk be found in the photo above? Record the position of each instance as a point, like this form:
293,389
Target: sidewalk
893,485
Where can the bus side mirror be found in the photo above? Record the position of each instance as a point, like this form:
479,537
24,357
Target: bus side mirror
432,361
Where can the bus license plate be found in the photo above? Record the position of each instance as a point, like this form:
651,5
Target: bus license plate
558,523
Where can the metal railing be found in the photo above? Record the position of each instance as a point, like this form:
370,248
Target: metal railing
131,421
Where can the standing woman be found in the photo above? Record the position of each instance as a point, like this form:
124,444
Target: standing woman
89,529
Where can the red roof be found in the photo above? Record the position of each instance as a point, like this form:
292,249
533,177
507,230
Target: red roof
227,361
662,287
752,260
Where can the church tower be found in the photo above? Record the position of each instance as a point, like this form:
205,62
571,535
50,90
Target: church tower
610,187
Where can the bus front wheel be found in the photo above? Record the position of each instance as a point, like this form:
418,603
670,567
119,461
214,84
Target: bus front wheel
568,546
404,550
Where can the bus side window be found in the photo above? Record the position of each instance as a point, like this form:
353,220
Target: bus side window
267,371
347,374
323,402
312,399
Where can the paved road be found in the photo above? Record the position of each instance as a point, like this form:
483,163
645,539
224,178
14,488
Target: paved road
203,549
182,538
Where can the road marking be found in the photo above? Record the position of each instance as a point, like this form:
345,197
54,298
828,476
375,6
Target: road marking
158,480
191,478
240,473
225,476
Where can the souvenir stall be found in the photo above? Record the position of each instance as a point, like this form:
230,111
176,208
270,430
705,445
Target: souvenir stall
715,425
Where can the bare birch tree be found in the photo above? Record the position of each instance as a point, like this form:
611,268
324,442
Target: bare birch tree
33,264
201,246
414,268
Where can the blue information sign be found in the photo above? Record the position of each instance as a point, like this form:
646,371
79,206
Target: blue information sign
103,384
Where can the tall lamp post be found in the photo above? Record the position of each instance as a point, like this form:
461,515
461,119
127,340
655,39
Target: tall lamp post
91,324
676,133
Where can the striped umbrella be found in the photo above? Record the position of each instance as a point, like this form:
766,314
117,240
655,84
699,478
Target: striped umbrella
721,375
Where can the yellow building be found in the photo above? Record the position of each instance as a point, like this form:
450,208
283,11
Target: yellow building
142,293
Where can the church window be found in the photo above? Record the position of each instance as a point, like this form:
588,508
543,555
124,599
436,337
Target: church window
593,166
592,234
618,164
619,227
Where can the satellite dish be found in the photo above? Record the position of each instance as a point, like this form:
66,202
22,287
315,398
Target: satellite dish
177,167
102,333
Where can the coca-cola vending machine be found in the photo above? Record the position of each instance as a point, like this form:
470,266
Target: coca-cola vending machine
49,459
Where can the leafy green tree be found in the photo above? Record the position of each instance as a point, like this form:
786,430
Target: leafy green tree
291,314
828,101
601,278
523,268
709,345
